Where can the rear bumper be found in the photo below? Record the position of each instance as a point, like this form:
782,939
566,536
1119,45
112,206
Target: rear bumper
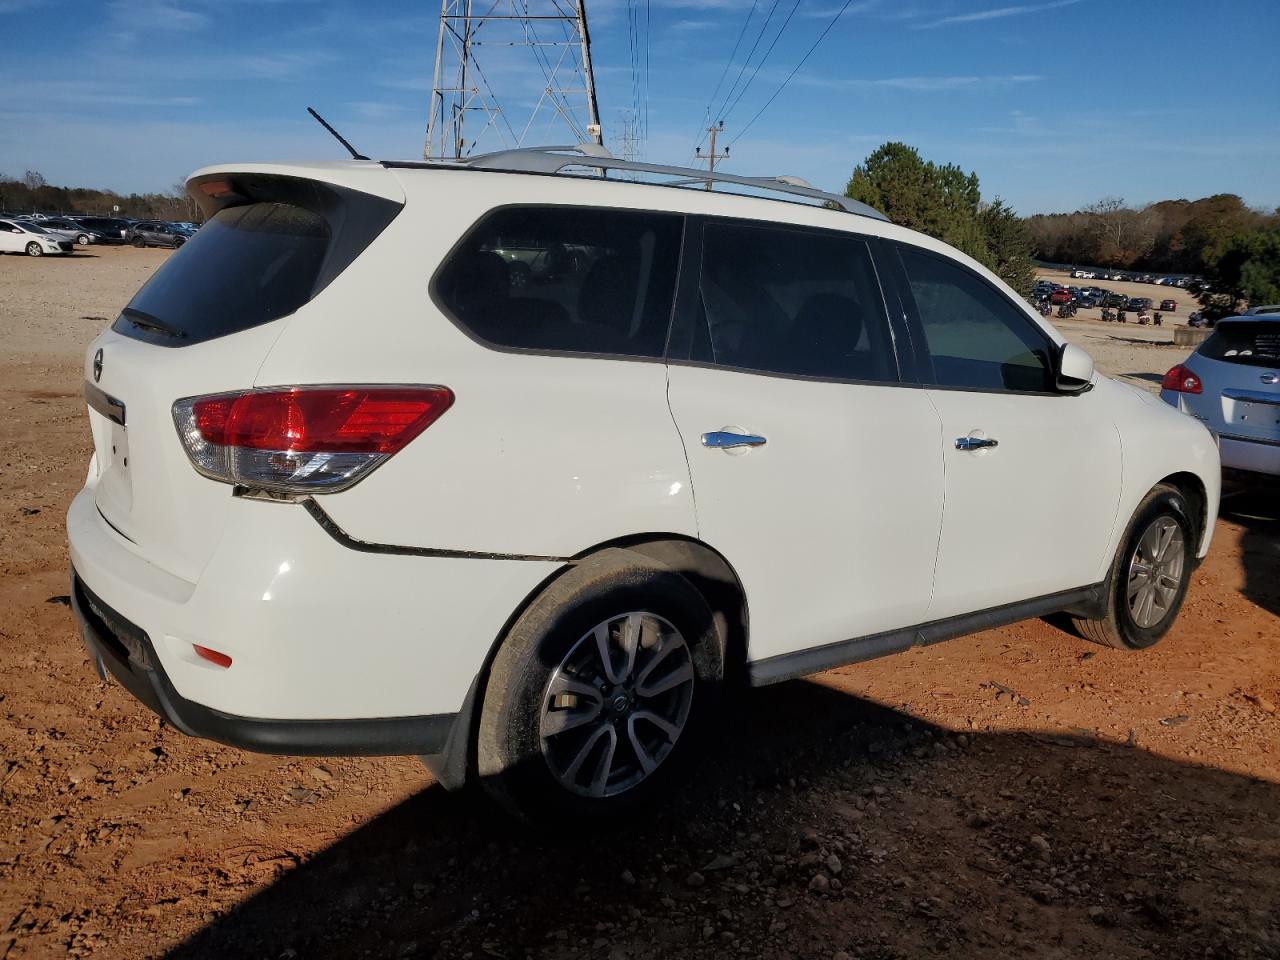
1254,456
122,650
334,650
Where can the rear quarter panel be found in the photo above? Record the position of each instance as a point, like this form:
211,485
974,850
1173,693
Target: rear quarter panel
1158,441
543,455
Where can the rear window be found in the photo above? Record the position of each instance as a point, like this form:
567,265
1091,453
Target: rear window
254,262
565,279
1253,342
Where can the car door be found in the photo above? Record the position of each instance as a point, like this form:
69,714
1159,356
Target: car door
1032,475
11,238
815,472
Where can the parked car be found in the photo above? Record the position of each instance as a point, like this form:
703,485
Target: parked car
111,229
314,527
1169,306
1088,298
1114,300
1138,304
1263,309
1231,384
1061,295
18,236
1083,274
153,233
70,230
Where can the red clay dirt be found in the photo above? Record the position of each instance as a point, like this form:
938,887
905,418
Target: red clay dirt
1020,793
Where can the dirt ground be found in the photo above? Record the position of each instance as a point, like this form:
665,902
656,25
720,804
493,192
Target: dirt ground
1019,793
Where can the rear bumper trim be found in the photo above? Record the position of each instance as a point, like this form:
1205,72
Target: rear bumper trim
122,650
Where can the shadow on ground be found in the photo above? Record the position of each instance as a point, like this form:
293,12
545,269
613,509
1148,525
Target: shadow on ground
820,823
1256,506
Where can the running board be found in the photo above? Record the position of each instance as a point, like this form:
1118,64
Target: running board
1083,601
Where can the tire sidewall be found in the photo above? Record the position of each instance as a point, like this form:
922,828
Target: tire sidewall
512,764
33,250
1164,502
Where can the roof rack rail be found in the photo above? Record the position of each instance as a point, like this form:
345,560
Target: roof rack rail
555,159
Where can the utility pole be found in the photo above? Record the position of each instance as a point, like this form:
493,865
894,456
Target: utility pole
712,156
468,111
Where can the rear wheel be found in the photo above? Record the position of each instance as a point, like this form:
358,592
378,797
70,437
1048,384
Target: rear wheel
83,239
34,249
139,242
1149,576
599,691
177,243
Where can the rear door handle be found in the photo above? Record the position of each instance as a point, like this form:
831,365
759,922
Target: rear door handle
975,443
727,440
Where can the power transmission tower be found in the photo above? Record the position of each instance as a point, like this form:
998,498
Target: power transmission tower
484,53
711,156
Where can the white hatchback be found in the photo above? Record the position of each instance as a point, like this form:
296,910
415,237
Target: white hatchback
519,470
24,236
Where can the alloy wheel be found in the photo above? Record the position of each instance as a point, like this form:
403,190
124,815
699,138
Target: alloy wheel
616,704
1155,571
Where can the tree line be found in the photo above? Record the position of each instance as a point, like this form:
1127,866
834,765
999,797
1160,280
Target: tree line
32,193
1235,248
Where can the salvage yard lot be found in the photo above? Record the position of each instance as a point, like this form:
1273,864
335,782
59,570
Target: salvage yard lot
1017,793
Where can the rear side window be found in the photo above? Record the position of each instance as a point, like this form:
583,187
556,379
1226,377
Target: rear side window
254,262
794,302
977,338
565,279
1252,342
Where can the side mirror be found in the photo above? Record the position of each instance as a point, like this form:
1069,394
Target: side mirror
1074,373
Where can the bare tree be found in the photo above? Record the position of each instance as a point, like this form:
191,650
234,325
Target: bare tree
34,180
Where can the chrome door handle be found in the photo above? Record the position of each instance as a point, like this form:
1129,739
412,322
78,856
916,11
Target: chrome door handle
975,443
725,440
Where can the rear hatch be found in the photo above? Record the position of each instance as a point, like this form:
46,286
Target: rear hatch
274,239
1239,366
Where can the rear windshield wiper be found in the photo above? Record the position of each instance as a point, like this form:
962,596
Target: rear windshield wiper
140,319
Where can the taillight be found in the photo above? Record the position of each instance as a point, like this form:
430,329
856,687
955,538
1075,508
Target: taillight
303,439
1181,380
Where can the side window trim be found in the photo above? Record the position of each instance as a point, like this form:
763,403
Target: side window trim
686,314
924,358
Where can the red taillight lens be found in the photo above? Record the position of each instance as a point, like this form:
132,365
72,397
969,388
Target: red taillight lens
303,439
349,420
1181,380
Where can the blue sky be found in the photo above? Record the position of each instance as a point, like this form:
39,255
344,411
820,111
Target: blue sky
1054,103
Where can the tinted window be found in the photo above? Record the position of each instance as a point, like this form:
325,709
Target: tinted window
566,279
1252,342
793,302
976,337
251,264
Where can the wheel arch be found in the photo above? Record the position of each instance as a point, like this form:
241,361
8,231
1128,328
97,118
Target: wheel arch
706,568
1195,491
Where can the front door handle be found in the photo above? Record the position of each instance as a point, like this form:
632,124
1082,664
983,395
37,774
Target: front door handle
728,440
975,443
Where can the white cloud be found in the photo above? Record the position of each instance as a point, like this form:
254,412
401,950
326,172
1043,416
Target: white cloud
997,13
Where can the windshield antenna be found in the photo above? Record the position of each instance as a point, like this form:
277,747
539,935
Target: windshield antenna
336,135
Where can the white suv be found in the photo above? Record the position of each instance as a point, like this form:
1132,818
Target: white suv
518,470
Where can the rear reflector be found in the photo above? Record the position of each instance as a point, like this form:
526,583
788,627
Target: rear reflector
303,439
213,656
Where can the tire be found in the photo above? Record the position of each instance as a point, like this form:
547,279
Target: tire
34,249
1135,622
563,737
178,243
139,243
83,239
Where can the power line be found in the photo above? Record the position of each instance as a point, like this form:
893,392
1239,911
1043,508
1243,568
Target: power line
796,69
725,72
743,69
752,78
